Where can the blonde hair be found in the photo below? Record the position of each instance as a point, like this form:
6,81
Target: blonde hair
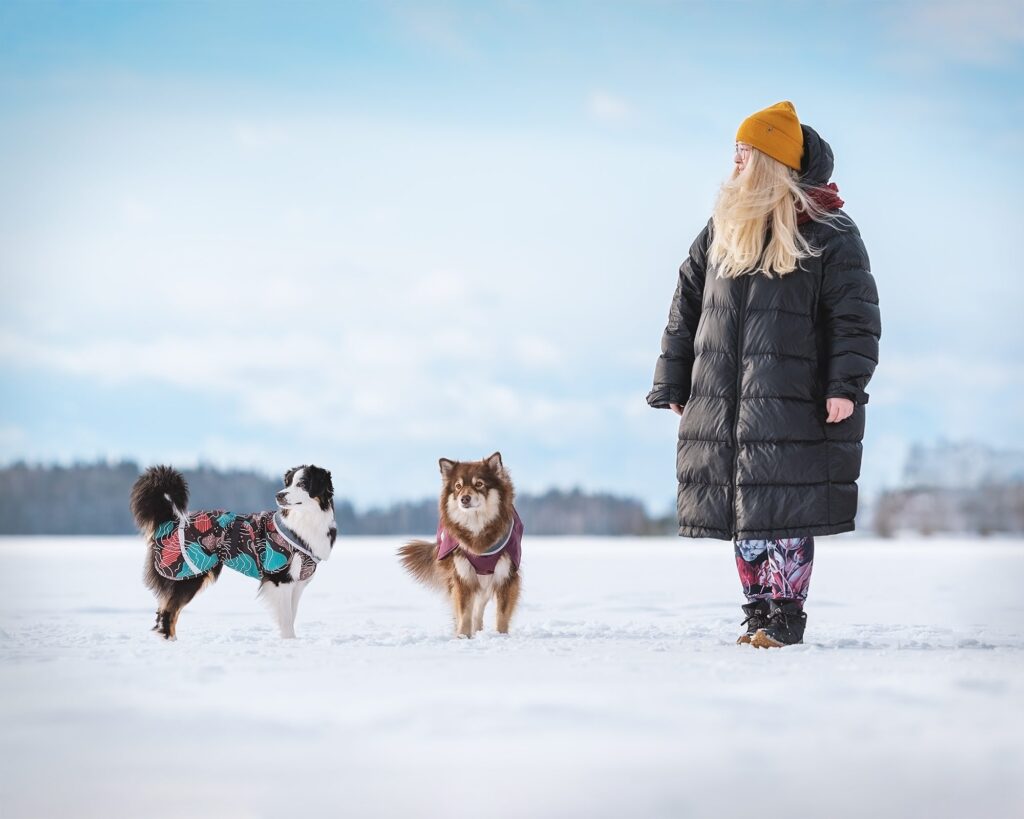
758,203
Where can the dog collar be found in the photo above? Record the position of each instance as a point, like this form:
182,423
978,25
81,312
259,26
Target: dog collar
293,539
501,544
182,541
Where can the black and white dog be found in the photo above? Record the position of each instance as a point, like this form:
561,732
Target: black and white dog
186,551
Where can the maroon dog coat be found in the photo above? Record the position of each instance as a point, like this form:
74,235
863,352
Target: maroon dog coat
511,544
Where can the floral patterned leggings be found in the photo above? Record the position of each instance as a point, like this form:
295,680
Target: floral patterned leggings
775,569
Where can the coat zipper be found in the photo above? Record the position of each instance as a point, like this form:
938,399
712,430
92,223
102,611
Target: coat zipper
736,421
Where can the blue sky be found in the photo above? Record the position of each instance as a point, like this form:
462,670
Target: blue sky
372,234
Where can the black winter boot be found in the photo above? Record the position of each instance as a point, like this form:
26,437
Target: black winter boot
757,618
786,622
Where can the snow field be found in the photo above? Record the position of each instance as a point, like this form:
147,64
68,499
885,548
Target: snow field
619,693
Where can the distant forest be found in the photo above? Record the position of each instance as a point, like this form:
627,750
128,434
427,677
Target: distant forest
997,509
947,488
92,499
960,487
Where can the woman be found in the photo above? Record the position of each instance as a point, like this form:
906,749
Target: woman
771,339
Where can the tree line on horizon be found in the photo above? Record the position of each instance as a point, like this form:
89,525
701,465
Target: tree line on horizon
92,499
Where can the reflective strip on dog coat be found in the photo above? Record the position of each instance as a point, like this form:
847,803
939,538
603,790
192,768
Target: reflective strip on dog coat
511,544
250,544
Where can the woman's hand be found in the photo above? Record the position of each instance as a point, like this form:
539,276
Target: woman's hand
676,408
838,409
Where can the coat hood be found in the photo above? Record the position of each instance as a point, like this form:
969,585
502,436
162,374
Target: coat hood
817,162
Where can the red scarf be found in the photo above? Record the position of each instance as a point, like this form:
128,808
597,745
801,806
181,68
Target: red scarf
826,198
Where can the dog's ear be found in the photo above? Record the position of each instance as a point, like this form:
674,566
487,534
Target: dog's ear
318,485
494,462
446,467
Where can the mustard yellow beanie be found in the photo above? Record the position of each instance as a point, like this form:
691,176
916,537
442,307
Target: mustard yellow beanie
775,131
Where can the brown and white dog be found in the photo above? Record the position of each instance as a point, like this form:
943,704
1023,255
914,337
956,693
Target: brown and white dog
479,544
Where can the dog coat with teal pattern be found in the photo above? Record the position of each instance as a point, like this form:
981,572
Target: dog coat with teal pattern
256,545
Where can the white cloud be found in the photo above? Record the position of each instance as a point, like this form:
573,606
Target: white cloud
436,28
12,437
987,32
136,211
258,137
907,378
539,353
423,286
389,386
607,107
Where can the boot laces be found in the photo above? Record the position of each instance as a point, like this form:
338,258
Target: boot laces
758,615
780,618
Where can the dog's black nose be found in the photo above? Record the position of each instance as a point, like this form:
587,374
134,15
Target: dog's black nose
465,500
281,496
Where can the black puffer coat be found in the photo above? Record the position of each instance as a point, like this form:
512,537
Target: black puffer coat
753,359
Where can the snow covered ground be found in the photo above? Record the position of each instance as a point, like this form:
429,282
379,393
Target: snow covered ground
619,693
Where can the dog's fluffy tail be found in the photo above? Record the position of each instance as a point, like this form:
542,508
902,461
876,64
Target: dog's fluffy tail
157,496
419,557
